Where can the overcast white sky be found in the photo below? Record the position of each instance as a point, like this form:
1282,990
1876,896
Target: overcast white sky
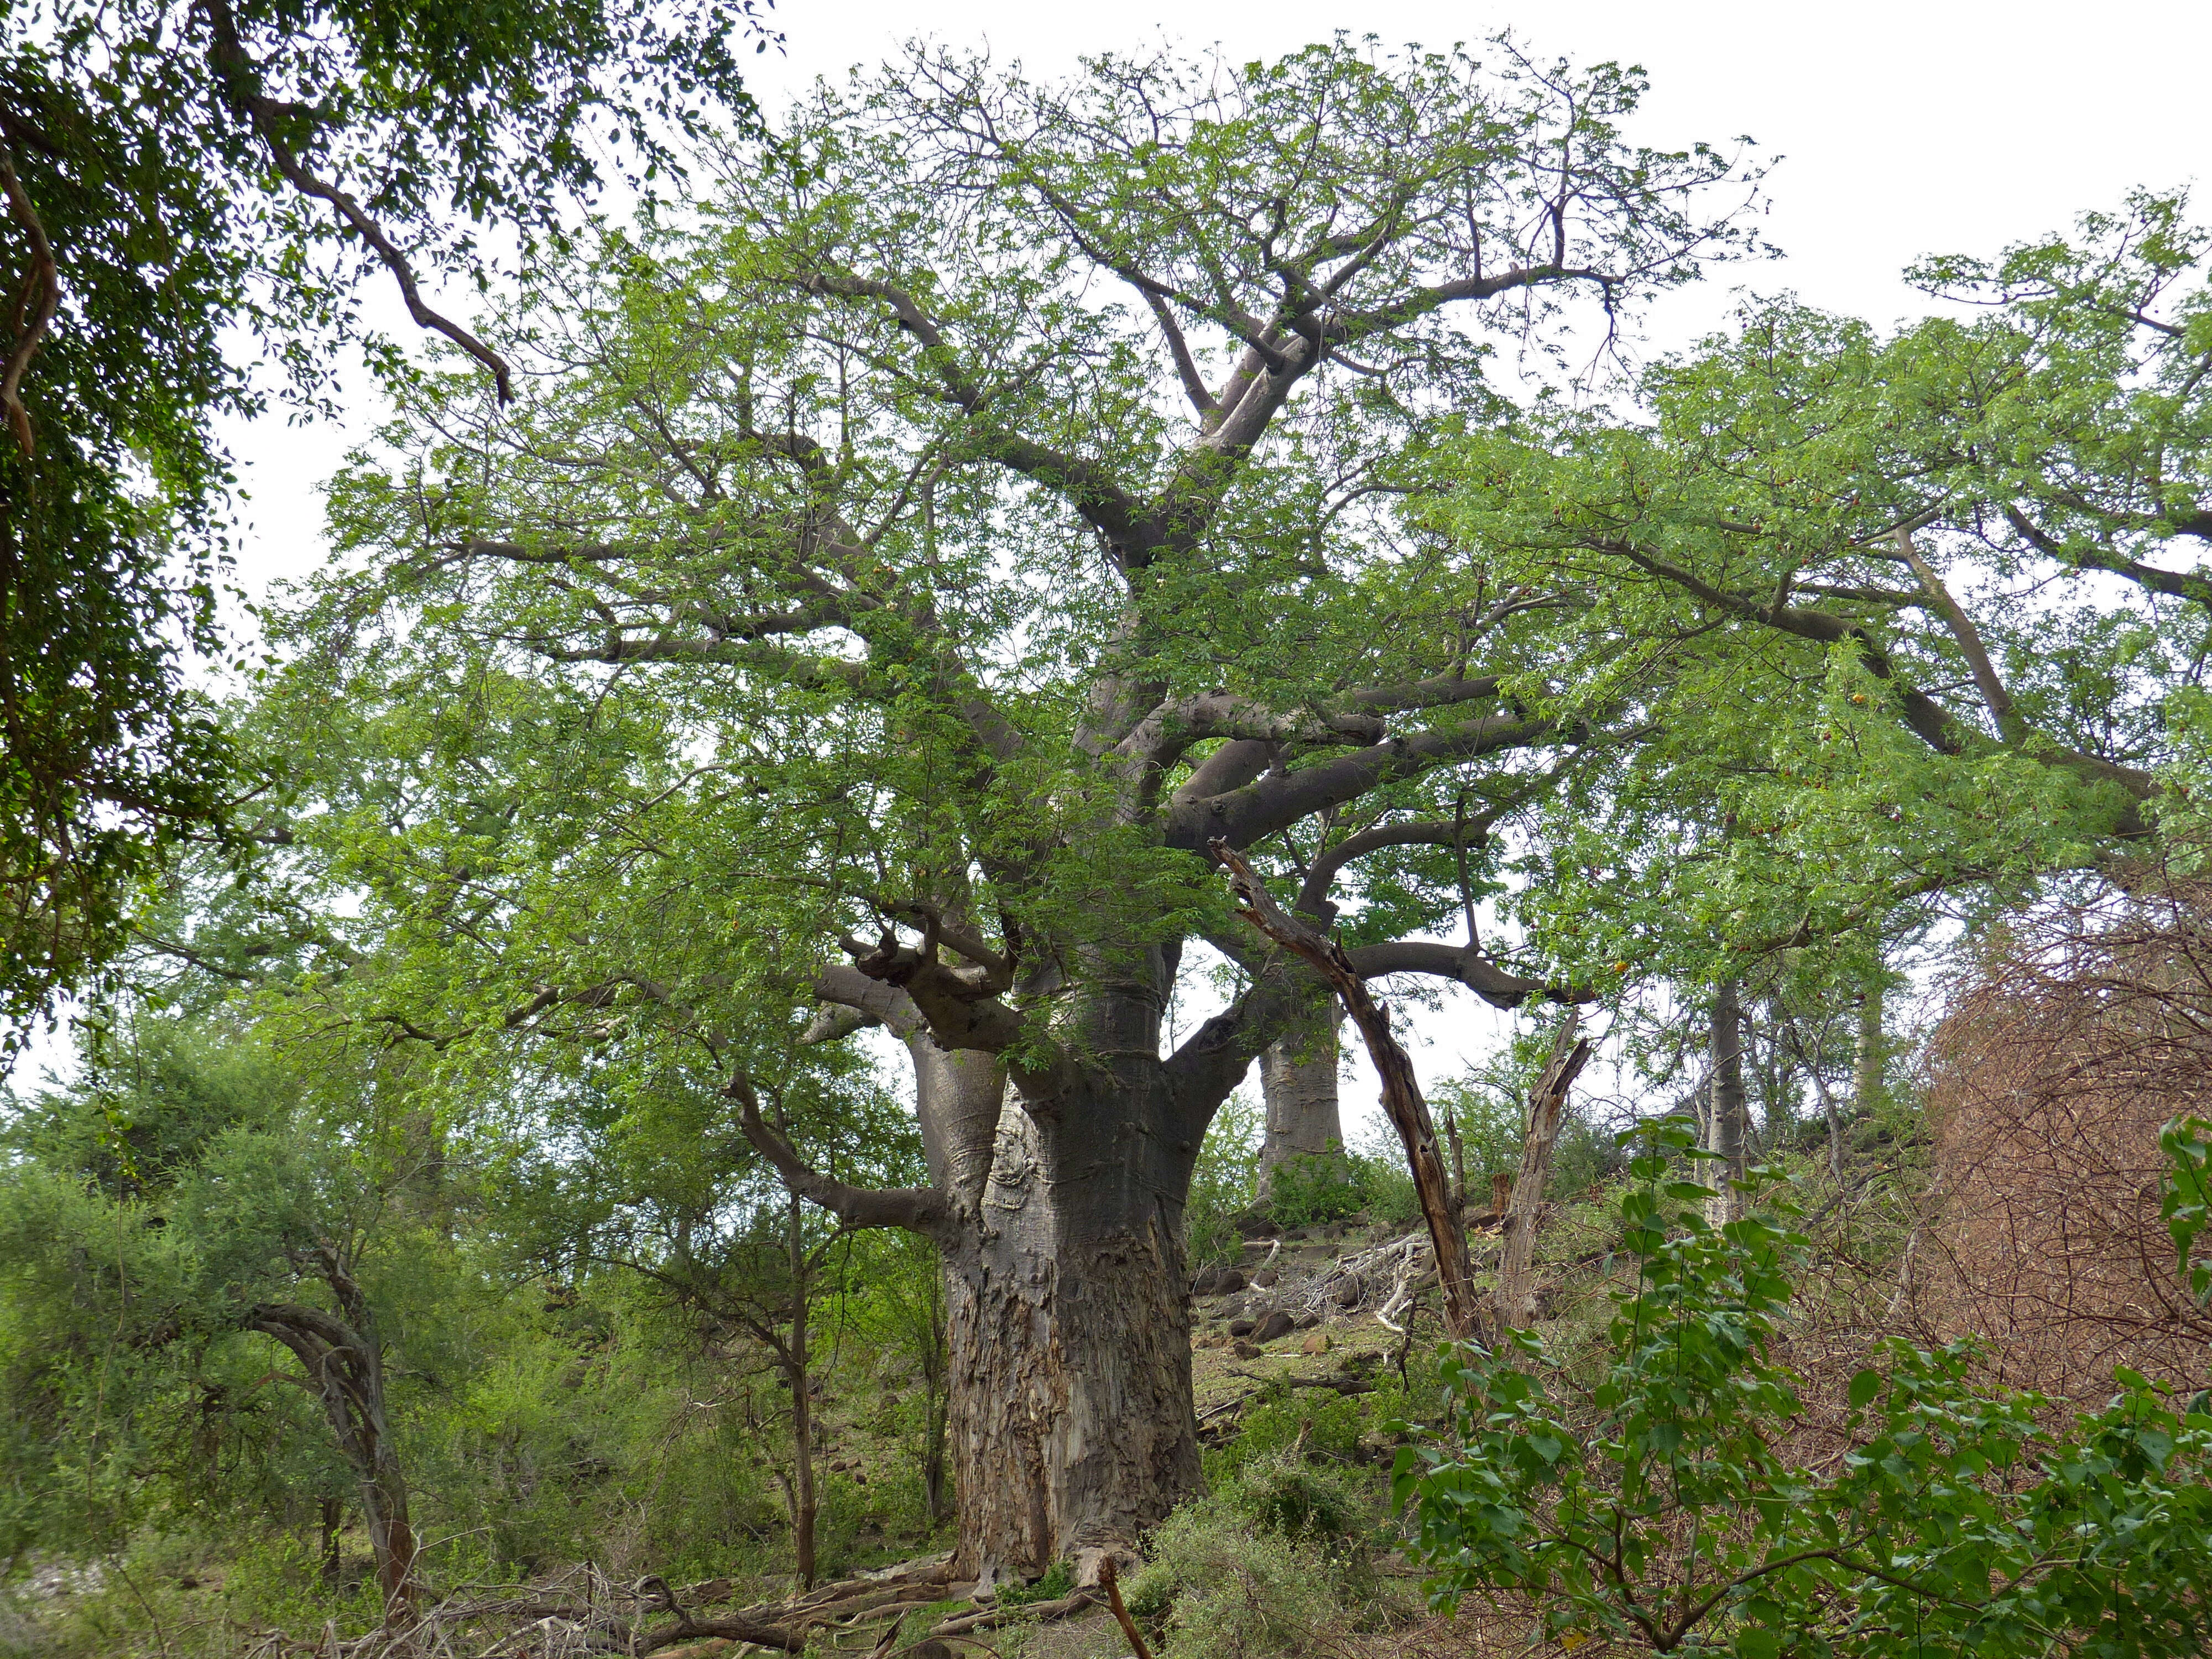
1902,129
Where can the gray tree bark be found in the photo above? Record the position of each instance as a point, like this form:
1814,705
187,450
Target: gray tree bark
1298,1082
805,1505
1871,1056
1071,1428
1727,1129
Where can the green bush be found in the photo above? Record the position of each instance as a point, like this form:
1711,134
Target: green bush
1392,1200
1312,1188
1059,1580
1658,1510
1331,1506
1309,1190
1216,1588
1327,1426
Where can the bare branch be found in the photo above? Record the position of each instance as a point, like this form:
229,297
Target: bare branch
1173,726
1466,965
1313,894
1401,1090
1194,383
1994,697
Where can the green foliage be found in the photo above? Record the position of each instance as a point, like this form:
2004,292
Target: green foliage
1329,1505
1294,1470
1306,1189
1662,1510
151,1216
157,257
1221,1183
856,719
2187,1202
1219,1588
1328,1425
1781,459
1058,1580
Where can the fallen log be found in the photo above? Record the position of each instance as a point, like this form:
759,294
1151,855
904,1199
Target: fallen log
992,1618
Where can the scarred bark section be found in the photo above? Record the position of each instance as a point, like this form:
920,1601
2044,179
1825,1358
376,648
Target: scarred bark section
1072,1424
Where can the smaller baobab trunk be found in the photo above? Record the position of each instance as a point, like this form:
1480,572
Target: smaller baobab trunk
1869,1059
1726,1124
1297,1080
345,1367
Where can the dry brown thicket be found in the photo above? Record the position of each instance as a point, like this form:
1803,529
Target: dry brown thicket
2079,1031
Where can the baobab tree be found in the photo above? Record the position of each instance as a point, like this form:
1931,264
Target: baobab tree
883,589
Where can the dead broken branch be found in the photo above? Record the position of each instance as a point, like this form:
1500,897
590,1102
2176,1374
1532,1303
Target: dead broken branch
1401,1090
1110,1581
1547,1103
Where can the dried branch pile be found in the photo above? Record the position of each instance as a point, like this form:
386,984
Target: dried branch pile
582,1612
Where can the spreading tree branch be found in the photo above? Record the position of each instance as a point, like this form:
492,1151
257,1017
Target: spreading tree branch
241,76
917,1209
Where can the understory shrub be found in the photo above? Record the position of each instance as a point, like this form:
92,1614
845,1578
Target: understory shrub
1667,1507
1217,1588
1309,1190
1221,1184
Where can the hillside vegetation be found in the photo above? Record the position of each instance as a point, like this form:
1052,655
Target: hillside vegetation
742,1046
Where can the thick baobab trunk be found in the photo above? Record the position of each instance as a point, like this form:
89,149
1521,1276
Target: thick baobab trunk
936,1470
1725,1118
1056,1206
1072,1425
1297,1080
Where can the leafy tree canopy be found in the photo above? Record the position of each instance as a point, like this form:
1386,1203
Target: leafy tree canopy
188,188
1926,612
991,498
